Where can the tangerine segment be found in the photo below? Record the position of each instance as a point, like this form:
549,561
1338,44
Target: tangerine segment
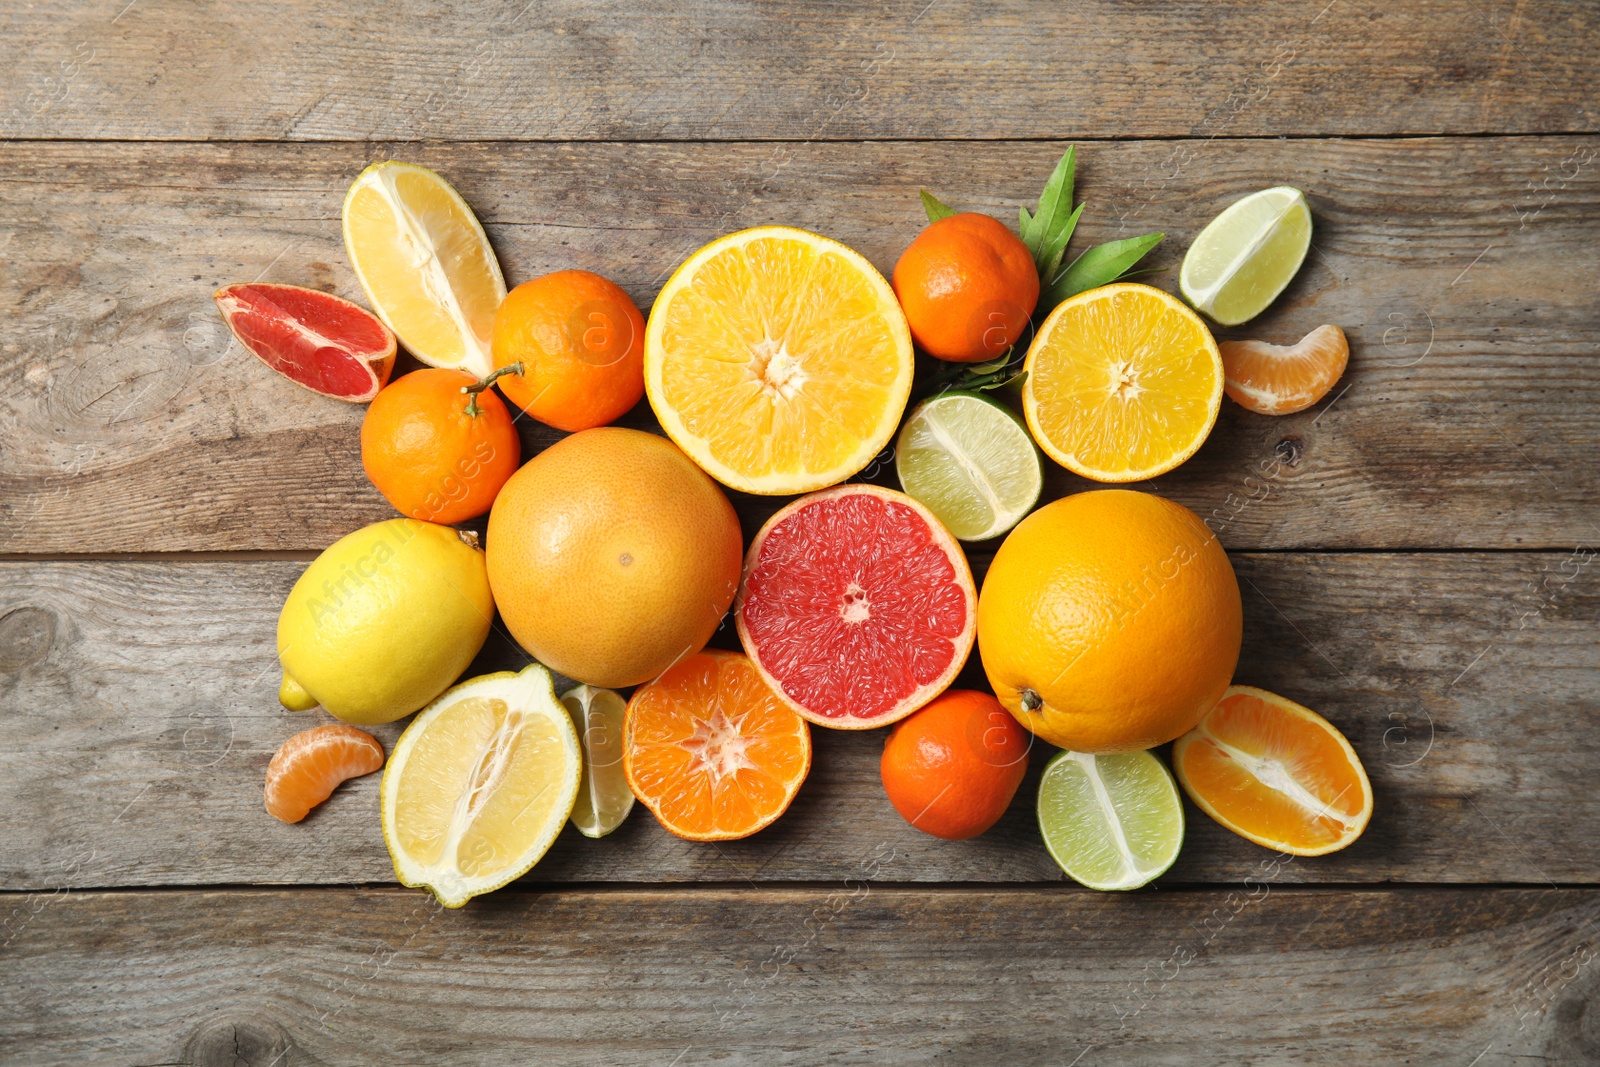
1276,773
857,606
778,360
313,763
1124,383
1282,379
712,751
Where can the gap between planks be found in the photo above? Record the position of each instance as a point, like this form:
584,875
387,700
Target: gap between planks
670,142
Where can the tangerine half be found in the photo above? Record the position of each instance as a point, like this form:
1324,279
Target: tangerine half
711,750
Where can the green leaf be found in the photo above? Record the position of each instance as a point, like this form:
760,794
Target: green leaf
1058,248
978,370
934,207
1100,265
1047,232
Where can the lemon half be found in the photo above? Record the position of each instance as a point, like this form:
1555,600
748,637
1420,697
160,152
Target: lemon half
480,785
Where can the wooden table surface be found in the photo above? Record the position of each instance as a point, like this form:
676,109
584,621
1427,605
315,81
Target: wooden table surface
1415,553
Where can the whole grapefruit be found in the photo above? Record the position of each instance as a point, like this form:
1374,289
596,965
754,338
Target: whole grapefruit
612,556
1110,621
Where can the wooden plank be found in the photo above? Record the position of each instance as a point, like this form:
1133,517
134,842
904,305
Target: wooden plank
861,973
1468,418
140,715
291,69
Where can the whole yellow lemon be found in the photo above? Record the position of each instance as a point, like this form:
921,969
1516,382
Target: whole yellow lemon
383,621
1110,621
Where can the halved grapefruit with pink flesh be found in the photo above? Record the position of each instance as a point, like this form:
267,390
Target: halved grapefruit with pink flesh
857,606
314,339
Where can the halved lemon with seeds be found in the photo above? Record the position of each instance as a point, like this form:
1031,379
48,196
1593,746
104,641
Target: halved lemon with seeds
1124,383
1276,773
480,785
778,360
425,263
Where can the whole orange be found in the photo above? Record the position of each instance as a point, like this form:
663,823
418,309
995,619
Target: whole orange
967,285
612,556
952,767
1110,621
580,341
435,452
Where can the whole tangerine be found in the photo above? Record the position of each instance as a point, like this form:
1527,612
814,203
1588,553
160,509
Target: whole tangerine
578,341
439,445
952,767
967,285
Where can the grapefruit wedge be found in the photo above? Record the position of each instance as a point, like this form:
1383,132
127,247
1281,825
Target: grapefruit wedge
857,606
314,339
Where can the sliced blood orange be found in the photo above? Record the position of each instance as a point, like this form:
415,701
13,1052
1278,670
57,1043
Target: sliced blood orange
711,750
1276,773
1283,379
857,606
313,763
314,339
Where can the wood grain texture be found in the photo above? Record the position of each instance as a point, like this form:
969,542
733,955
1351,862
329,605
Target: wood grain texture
861,973
139,715
1462,269
293,69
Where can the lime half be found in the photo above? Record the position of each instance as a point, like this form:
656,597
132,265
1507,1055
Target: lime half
1111,822
604,798
1247,255
968,460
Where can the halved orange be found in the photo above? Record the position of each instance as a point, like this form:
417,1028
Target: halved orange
1276,773
779,360
1283,379
711,750
1124,383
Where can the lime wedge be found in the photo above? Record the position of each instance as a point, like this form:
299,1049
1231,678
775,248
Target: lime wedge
970,461
604,798
1247,255
1111,822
